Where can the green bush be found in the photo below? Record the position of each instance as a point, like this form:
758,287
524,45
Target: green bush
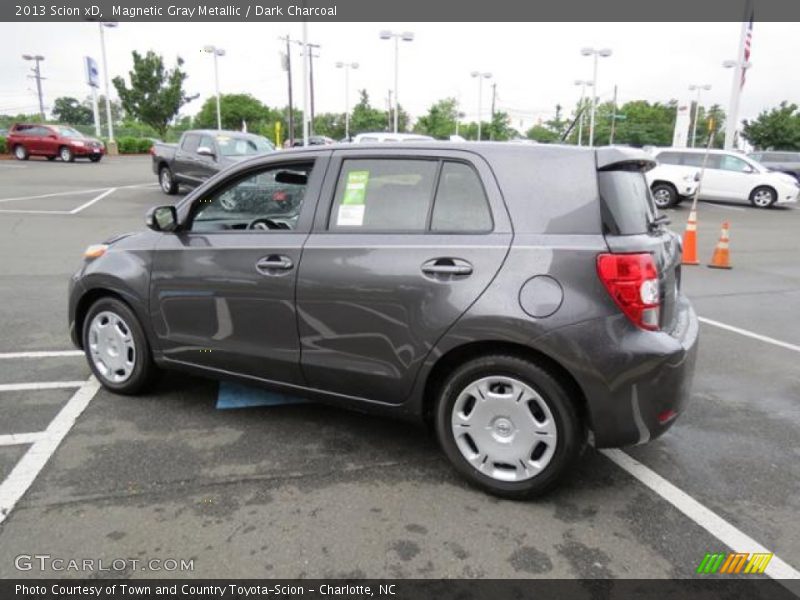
128,145
144,145
3,148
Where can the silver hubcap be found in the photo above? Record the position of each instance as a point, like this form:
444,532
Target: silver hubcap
166,180
20,151
762,198
504,428
111,347
661,197
64,154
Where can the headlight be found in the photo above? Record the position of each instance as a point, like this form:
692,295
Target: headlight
95,251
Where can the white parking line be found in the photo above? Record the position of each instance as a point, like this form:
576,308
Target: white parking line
40,354
75,211
15,439
42,385
75,192
750,334
34,460
725,206
729,535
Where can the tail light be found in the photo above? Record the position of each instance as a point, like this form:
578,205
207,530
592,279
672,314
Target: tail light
632,282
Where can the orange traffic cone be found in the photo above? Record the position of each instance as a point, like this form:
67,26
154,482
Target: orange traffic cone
721,258
689,256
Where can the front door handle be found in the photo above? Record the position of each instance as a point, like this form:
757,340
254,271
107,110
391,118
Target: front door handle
274,262
447,266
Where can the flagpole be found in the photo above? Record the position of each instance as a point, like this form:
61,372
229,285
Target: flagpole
732,121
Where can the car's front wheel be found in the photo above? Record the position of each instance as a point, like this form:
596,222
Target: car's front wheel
664,195
763,197
96,157
20,153
116,347
66,154
508,425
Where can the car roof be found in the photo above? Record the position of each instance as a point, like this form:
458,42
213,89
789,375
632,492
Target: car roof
698,151
224,132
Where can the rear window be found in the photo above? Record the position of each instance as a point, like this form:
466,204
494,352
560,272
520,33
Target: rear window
626,204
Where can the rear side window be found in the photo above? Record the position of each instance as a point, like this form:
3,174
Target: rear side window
460,204
669,158
695,159
383,195
626,204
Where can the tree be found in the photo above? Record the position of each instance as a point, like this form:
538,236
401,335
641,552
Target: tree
441,120
69,110
116,110
542,133
234,108
156,93
776,129
330,124
367,118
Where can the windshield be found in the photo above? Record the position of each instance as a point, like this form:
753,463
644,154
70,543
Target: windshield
241,146
69,132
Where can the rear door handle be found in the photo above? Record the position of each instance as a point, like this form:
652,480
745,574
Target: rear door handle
447,266
275,262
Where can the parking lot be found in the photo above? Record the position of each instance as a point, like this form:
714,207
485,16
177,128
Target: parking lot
312,491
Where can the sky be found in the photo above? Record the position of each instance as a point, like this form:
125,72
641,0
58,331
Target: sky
534,65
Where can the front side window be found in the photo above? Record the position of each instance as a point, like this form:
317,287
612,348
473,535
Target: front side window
190,143
270,199
383,195
239,146
69,132
732,163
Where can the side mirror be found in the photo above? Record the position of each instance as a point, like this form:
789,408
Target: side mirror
206,151
162,218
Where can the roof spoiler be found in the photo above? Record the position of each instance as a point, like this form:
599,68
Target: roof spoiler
623,159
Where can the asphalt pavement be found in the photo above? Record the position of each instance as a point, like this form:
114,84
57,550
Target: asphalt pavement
313,491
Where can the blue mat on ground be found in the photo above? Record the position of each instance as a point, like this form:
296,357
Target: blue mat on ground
236,395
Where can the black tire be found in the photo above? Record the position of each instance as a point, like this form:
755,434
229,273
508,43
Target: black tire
571,433
763,197
167,182
664,195
51,158
21,153
95,158
66,154
144,370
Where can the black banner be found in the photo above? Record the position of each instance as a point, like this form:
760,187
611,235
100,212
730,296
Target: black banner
538,589
387,11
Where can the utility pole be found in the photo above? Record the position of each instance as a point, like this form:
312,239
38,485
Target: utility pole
311,57
613,118
491,123
288,67
37,75
305,84
389,111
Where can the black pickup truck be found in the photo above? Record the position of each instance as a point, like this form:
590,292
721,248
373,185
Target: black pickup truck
202,153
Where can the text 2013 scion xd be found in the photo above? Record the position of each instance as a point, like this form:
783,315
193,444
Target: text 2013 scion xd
517,297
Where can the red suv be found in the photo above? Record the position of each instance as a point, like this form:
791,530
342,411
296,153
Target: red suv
26,140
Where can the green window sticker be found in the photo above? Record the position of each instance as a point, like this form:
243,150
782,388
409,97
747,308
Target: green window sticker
351,211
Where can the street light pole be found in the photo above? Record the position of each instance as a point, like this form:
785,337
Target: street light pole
37,75
699,88
103,25
583,84
481,77
406,36
216,52
604,52
347,67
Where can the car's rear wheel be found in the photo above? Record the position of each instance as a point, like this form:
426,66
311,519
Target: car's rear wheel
167,182
116,347
763,197
508,425
664,195
66,154
20,153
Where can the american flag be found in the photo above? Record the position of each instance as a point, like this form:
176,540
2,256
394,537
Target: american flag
748,40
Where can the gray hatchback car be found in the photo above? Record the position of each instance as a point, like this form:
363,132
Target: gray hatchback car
519,298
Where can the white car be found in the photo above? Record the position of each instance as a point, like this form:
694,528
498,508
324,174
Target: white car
730,176
671,185
382,136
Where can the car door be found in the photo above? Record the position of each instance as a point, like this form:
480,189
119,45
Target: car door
205,166
48,141
404,242
729,177
185,162
223,286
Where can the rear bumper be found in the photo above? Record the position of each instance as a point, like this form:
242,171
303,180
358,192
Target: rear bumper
636,383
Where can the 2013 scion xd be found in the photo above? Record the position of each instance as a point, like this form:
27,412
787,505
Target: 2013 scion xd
517,297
